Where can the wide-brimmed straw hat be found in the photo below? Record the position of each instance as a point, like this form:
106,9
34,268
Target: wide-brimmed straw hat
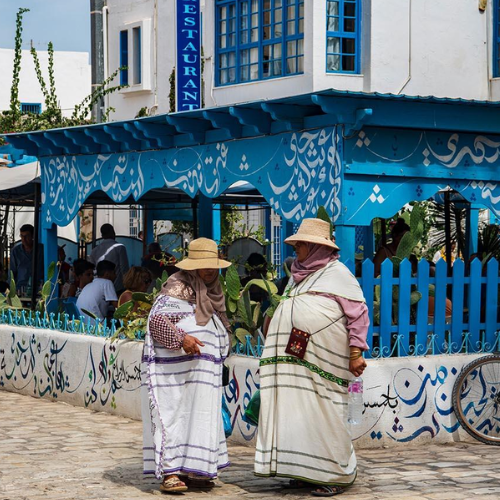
202,254
313,231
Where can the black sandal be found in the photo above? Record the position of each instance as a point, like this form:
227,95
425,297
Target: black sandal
327,491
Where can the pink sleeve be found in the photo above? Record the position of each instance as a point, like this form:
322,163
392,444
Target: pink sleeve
357,321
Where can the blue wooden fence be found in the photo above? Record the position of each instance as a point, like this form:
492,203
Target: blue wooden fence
401,329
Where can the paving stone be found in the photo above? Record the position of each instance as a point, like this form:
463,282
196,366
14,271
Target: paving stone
53,451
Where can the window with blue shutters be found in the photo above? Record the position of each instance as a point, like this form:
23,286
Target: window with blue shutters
496,38
258,39
124,57
343,30
31,107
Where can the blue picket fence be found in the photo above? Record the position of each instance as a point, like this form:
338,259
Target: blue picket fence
400,329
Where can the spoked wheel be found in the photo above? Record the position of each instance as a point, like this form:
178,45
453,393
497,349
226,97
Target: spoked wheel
476,399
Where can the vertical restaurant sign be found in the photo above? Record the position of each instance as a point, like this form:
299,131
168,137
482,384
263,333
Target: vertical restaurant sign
188,71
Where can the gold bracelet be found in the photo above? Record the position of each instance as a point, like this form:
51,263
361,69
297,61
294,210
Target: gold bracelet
353,358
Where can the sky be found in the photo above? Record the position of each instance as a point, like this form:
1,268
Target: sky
65,23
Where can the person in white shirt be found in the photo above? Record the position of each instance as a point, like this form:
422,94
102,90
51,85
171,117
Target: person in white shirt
100,295
110,249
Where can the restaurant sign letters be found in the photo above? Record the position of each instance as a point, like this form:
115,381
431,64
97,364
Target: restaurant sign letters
188,71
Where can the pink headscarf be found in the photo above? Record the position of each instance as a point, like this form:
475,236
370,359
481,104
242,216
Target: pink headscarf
318,257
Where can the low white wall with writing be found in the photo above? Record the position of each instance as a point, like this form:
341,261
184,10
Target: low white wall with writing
78,369
406,399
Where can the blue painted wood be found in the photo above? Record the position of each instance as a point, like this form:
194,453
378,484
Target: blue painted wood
440,304
405,282
422,307
368,284
386,282
287,177
457,302
345,238
491,301
474,303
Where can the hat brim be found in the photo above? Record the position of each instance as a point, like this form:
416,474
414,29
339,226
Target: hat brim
194,264
309,238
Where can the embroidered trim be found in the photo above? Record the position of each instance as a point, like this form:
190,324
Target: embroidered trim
314,368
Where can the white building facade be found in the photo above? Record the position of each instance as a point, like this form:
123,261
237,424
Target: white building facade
258,49
72,77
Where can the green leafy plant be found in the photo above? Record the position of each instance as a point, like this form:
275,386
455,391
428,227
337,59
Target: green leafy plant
13,120
405,248
246,316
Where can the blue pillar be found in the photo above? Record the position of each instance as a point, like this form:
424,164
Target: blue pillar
205,217
149,223
216,226
345,237
286,230
368,242
50,254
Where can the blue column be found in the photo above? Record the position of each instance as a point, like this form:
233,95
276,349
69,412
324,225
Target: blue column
205,217
368,242
148,229
216,223
345,237
286,230
50,254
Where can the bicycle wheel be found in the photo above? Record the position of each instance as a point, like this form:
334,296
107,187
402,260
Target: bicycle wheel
476,399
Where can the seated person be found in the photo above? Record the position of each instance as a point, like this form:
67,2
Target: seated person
84,274
137,279
99,296
256,269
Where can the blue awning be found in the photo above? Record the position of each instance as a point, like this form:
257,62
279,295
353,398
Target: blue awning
265,117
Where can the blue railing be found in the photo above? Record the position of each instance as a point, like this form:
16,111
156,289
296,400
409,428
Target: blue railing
429,327
455,314
61,322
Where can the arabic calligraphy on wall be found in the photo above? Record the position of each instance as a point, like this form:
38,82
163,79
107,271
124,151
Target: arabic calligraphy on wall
94,373
295,172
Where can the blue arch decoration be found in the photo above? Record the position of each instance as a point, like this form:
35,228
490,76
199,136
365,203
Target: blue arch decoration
295,172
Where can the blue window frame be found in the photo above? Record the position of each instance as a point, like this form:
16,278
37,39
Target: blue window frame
31,107
496,38
258,39
124,57
343,29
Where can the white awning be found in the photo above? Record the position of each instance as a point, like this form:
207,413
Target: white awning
14,177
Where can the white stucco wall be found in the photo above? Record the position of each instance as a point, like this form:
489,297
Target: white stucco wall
416,47
72,75
406,399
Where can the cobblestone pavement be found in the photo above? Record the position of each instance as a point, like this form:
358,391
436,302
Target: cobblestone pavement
56,451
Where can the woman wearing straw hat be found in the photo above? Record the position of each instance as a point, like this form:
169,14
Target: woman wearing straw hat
313,347
186,343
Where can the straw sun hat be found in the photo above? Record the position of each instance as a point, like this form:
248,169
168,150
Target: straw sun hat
202,254
313,231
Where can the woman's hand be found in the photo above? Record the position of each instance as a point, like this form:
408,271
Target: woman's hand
190,345
357,366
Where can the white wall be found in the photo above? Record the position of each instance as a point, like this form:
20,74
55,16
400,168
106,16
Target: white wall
72,76
448,42
407,400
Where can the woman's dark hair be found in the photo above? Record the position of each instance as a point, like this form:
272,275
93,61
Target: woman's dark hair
400,227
